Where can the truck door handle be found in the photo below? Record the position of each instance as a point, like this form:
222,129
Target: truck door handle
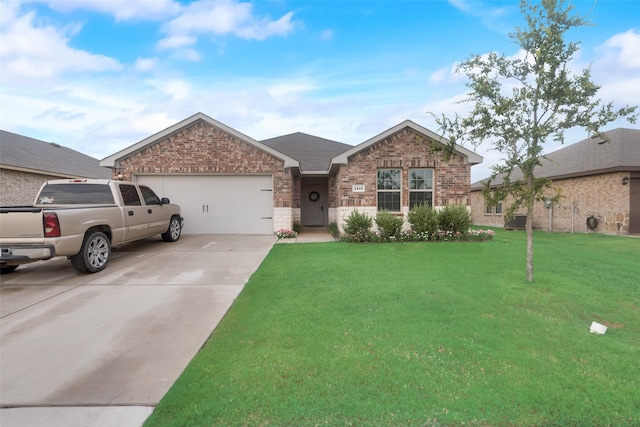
130,213
149,211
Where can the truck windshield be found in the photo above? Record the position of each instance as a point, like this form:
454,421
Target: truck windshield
76,194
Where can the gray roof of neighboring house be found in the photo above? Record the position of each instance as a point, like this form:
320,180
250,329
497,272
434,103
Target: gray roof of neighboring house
33,155
592,156
313,153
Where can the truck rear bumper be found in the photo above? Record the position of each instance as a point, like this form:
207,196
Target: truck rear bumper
16,255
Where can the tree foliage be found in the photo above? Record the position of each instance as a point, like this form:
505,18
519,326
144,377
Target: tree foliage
522,102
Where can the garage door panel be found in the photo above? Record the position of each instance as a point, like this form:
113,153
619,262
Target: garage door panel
241,204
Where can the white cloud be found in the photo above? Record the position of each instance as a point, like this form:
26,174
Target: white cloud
226,17
145,64
491,16
622,51
122,10
176,41
38,52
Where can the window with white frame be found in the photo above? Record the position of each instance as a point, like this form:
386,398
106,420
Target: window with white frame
420,187
389,187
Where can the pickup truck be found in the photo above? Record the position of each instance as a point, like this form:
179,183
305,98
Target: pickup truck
83,219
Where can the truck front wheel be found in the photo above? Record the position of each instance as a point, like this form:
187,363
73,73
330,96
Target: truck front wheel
174,231
94,254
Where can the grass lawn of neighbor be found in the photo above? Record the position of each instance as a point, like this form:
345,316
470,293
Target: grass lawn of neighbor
425,334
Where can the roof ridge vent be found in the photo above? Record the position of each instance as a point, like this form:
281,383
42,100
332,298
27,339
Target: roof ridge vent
55,144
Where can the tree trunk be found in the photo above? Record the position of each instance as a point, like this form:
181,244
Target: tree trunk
529,227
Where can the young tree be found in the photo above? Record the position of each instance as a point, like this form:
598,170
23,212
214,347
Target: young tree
521,103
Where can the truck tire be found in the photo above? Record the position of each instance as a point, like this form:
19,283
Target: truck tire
94,254
8,269
174,231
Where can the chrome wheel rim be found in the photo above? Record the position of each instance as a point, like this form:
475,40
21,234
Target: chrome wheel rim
98,252
175,229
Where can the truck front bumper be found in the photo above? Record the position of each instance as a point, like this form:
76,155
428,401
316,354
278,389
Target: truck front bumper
16,255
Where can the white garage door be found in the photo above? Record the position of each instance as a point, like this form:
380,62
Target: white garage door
229,204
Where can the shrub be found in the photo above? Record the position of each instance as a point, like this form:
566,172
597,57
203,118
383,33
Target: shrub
456,219
297,227
389,225
423,219
333,229
357,223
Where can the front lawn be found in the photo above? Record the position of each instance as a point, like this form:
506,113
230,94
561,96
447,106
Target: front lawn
425,334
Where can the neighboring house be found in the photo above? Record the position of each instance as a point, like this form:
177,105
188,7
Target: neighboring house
26,163
227,182
597,179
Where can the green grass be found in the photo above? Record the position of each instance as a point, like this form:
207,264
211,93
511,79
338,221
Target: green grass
415,334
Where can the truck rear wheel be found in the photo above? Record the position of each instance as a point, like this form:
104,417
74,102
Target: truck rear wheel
174,231
94,254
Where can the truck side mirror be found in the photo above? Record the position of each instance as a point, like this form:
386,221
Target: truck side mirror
164,201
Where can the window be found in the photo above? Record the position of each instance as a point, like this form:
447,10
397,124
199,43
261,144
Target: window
76,194
130,195
420,187
493,209
389,189
150,197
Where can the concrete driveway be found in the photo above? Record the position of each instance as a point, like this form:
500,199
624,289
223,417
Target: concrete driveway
102,349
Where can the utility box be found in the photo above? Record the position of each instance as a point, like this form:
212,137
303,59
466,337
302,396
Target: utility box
518,222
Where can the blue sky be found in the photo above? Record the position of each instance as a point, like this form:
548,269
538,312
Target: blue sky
100,75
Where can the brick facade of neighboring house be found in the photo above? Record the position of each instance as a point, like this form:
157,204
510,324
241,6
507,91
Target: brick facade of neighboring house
20,188
304,179
596,179
26,163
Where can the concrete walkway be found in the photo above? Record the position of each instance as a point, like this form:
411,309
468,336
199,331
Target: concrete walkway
102,349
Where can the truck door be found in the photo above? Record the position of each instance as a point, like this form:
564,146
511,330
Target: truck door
157,216
136,218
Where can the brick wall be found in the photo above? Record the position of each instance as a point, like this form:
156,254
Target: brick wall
20,188
204,149
602,196
402,150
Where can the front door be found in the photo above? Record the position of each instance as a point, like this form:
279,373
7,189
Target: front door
314,205
634,205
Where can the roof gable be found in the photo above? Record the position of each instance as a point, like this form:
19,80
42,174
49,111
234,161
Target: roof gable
33,155
591,156
313,153
156,138
343,158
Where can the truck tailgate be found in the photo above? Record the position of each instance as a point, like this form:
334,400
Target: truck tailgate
20,223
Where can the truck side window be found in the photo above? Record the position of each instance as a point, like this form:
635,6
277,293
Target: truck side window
130,195
149,196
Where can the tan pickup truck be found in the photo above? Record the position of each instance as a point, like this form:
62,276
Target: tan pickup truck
83,219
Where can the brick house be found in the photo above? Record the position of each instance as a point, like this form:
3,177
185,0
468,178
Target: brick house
26,163
597,179
227,182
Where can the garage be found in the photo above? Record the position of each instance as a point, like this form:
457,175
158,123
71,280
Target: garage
219,204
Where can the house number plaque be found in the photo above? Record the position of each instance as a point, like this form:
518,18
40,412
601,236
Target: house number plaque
359,188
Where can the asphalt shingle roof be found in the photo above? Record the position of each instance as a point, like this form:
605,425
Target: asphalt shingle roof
313,153
29,153
588,157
